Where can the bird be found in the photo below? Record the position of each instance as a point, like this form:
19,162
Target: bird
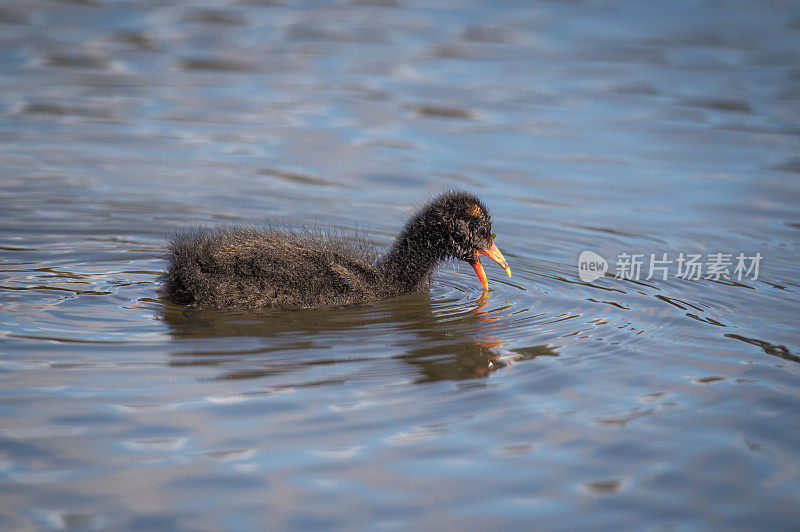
257,268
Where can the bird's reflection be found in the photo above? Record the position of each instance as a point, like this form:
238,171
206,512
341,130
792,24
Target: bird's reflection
440,341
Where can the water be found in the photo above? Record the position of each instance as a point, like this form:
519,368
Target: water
617,127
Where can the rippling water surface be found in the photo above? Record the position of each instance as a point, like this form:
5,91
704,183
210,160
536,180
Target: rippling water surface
603,125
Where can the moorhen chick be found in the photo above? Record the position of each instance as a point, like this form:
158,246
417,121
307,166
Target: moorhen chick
256,268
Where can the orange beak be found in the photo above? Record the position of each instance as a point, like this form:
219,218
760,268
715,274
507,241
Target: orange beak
494,254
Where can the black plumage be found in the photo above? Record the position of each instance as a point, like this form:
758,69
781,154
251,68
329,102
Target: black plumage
256,268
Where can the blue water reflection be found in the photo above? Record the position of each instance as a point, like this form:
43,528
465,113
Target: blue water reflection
615,127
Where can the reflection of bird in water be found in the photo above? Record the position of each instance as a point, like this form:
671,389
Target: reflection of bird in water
249,268
311,347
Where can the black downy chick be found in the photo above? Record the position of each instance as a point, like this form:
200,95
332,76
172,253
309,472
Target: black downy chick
256,268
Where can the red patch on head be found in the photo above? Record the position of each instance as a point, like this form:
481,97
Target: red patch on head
474,210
